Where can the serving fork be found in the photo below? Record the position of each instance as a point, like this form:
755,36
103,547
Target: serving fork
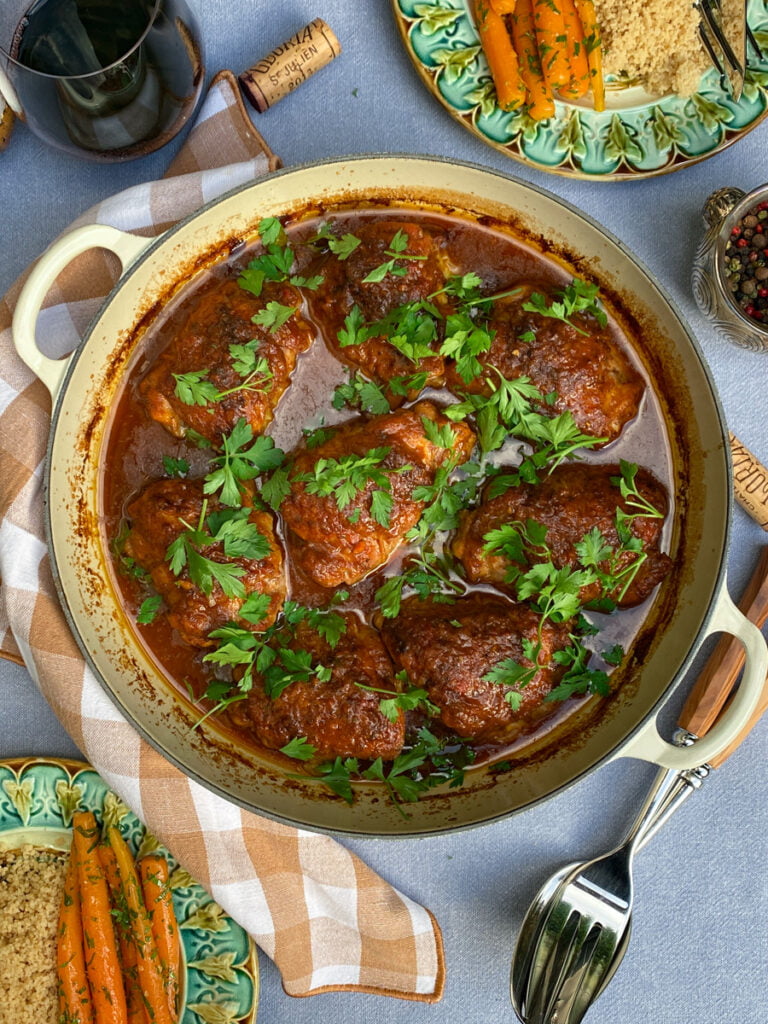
728,55
576,932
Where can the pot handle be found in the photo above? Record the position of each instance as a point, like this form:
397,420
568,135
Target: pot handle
648,745
92,236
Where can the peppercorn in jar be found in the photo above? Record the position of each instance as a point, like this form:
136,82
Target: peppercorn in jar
746,263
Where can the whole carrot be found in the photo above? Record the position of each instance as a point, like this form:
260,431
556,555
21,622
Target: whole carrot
593,47
501,56
148,960
102,962
133,994
577,53
158,899
73,989
539,97
552,40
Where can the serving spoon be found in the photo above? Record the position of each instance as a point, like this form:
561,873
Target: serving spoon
576,931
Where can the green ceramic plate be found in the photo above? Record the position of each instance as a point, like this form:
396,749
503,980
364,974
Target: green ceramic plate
636,136
221,976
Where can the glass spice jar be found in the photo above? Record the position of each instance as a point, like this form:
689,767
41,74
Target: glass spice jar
730,272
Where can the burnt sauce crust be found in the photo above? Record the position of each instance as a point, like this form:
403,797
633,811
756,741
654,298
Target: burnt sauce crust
315,546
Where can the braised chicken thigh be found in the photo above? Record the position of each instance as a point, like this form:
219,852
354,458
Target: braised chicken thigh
200,597
417,273
571,502
352,500
221,366
453,649
338,714
577,362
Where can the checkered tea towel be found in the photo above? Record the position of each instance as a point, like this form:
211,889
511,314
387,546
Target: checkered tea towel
325,918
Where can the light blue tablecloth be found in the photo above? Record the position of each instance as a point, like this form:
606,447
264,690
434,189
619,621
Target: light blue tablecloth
699,949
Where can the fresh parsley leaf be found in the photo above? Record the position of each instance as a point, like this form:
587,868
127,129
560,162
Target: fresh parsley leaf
464,341
410,328
273,316
240,461
276,487
310,283
577,297
440,436
174,467
354,331
255,607
343,479
427,574
512,674
360,393
274,264
148,609
395,251
299,748
342,247
193,388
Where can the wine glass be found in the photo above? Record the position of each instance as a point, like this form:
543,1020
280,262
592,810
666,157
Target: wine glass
102,79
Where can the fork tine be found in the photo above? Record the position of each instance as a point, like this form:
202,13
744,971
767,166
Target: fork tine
557,957
583,986
709,10
753,41
709,46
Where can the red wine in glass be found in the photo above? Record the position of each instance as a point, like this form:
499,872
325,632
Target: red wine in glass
107,79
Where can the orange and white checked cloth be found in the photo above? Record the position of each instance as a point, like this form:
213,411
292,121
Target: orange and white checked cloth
325,918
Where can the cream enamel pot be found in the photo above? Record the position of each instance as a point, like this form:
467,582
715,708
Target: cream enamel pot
692,603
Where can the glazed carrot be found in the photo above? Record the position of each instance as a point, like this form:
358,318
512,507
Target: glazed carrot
73,989
502,7
102,962
158,899
593,46
502,59
133,995
148,961
577,53
539,96
552,39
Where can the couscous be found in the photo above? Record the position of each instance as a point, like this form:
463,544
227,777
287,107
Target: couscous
655,43
31,888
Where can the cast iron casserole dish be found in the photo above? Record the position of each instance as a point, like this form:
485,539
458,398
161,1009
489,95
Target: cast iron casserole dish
692,603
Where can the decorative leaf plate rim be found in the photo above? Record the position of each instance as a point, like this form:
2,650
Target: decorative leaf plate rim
637,136
38,796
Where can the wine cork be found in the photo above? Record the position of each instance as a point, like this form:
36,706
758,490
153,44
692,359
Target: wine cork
289,64
750,481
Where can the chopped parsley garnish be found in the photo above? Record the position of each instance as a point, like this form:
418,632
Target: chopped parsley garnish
239,539
273,316
395,252
577,297
148,609
269,652
174,467
274,263
241,460
344,478
360,393
427,575
299,748
194,388
341,246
